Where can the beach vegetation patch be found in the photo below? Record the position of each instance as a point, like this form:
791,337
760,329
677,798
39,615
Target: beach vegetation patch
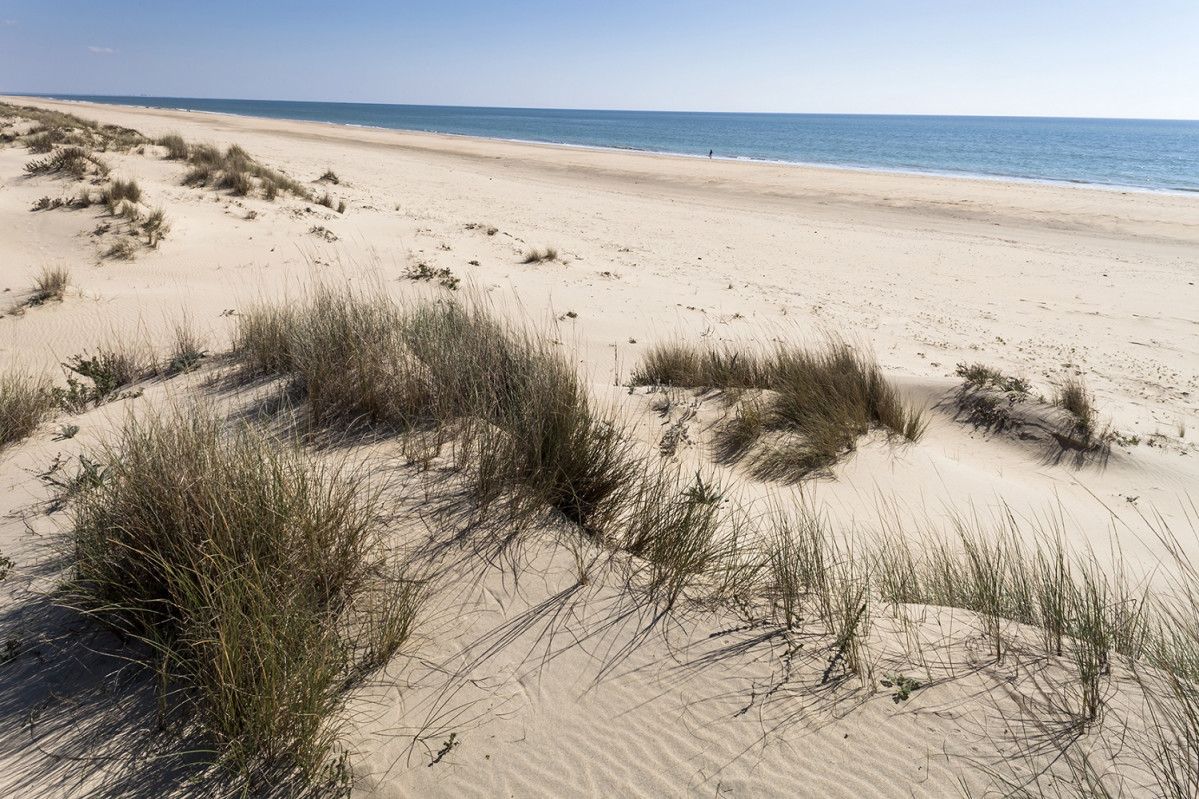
155,226
1074,398
796,410
444,276
77,162
536,256
25,402
236,170
50,285
107,370
986,377
123,249
176,147
256,578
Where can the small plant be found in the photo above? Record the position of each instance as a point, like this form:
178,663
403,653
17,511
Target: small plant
129,190
490,230
326,200
187,352
175,146
341,207
323,232
156,227
25,402
447,746
50,285
903,686
1074,398
108,370
703,493
983,376
123,248
444,276
536,256
329,177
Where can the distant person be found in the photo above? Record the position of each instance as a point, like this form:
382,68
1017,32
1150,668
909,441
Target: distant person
710,153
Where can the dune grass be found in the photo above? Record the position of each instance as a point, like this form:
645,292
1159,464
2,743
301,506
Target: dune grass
256,578
1073,397
56,128
233,169
25,402
536,256
175,146
812,405
50,285
74,160
441,366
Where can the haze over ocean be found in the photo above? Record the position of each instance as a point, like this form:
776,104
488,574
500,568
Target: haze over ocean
1146,154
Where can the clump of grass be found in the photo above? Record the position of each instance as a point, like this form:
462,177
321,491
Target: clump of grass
175,146
490,230
236,170
121,190
50,285
536,256
677,364
329,177
1073,397
813,405
525,417
256,577
187,350
123,248
25,402
683,532
75,161
156,226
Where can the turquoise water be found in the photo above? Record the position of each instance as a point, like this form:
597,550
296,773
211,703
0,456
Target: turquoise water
1144,154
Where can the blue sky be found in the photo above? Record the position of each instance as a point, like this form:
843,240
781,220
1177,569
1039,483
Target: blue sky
1133,58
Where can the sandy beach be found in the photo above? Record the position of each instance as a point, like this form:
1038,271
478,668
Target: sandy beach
553,687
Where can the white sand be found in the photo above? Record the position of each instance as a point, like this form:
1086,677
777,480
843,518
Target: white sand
1043,282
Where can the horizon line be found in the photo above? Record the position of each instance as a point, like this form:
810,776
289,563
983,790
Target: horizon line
59,95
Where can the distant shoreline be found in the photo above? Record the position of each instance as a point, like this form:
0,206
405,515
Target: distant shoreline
472,115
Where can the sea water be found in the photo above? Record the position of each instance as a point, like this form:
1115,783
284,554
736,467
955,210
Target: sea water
1159,155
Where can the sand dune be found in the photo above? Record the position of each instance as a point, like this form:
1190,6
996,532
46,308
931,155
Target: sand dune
554,688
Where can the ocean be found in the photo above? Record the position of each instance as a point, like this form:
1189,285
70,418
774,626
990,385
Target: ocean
1157,155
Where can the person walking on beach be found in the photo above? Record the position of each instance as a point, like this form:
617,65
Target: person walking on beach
710,154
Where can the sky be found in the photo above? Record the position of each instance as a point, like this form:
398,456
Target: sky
1092,58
